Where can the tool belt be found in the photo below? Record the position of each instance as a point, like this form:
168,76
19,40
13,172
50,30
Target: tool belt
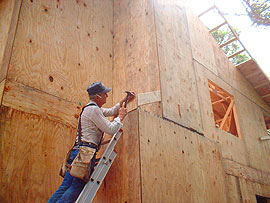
85,144
81,166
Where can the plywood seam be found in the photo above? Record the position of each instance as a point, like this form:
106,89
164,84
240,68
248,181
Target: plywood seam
246,166
113,38
235,88
158,58
140,162
11,39
40,91
188,128
2,93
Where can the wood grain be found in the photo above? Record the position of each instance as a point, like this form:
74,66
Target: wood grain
242,171
32,150
135,50
30,100
123,182
2,85
9,10
178,165
177,77
61,47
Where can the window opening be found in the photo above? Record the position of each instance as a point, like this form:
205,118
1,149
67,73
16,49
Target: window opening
224,110
267,122
261,199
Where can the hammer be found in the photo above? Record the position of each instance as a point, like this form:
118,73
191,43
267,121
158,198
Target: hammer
128,94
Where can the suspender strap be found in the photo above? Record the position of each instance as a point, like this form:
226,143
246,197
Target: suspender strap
79,131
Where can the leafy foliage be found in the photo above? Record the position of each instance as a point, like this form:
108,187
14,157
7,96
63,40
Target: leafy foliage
258,11
222,36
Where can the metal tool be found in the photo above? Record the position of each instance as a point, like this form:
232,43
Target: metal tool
128,94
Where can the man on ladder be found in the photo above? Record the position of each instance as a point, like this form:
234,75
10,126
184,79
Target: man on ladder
92,125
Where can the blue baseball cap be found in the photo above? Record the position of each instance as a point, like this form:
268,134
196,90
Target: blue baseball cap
98,88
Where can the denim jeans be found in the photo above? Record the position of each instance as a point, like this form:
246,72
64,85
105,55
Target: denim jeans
71,187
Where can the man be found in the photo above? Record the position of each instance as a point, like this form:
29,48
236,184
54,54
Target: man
93,124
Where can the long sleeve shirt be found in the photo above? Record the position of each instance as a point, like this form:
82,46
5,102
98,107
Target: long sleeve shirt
94,122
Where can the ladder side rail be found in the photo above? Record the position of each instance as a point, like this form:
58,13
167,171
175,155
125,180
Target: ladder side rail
101,170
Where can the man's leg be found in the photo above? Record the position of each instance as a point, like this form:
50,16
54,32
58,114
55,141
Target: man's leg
66,182
73,191
62,188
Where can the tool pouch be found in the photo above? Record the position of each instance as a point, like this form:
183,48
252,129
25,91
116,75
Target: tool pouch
65,165
81,166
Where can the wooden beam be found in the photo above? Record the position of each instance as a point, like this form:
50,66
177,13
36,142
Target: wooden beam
217,102
253,74
217,27
228,42
217,93
261,85
266,95
236,120
222,100
227,114
213,7
235,54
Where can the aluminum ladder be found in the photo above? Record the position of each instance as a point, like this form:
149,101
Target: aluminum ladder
90,189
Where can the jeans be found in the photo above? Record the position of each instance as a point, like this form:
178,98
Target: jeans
71,187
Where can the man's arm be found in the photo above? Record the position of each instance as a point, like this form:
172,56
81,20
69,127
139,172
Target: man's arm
109,127
111,111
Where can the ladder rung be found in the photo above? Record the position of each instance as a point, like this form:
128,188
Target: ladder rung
89,191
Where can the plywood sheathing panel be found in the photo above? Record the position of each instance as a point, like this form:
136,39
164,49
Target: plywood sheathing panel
2,85
231,147
249,173
253,127
178,82
135,52
202,50
123,182
9,10
32,150
233,188
249,190
63,46
175,164
30,100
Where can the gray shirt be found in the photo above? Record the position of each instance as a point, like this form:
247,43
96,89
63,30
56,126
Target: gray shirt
94,123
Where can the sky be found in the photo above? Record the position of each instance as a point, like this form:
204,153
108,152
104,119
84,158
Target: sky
255,39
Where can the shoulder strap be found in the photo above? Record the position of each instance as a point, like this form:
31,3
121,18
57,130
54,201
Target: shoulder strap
79,131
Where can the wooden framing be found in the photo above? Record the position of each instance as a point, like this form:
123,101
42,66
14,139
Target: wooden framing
224,110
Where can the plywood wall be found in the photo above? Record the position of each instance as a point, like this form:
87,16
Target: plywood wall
135,54
32,149
123,181
62,46
242,190
178,83
178,165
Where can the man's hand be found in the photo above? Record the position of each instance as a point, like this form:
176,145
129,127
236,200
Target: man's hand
122,113
130,98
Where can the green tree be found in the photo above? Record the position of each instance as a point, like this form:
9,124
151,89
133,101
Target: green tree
222,36
258,11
